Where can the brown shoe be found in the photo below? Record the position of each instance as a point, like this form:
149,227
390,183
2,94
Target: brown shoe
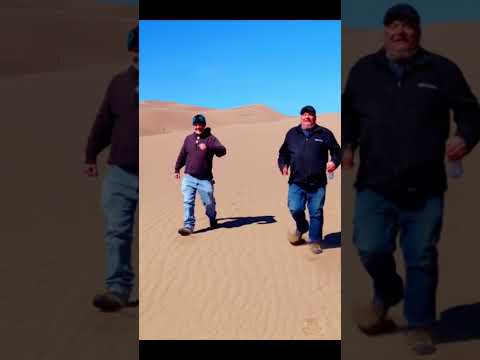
316,248
184,231
420,341
371,318
295,237
110,301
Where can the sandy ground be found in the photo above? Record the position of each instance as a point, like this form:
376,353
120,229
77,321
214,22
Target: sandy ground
53,256
458,293
242,280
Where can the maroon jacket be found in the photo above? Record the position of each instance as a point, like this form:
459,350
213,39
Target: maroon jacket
199,162
117,123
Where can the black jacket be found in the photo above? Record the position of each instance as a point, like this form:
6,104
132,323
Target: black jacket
307,157
401,124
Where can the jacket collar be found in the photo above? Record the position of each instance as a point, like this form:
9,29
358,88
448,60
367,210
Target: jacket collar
421,57
315,130
206,133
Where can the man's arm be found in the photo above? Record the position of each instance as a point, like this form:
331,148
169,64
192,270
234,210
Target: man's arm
181,158
217,147
284,157
100,134
466,115
335,151
350,124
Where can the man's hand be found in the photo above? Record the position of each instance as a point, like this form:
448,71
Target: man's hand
202,146
456,148
347,159
91,170
177,175
331,166
284,171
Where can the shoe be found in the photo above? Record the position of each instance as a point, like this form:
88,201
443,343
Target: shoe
371,318
185,231
214,223
295,237
110,301
316,248
420,341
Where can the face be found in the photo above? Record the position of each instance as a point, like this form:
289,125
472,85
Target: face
401,39
198,129
134,57
307,120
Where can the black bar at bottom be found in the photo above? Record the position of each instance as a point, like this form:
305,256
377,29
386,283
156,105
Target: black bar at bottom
328,349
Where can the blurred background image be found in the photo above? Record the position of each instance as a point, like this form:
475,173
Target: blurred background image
448,30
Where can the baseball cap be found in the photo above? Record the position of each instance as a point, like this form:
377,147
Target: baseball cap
404,12
199,119
308,109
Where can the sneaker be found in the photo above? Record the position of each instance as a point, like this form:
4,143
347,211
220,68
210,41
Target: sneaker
213,223
420,341
110,301
185,231
316,248
371,318
295,237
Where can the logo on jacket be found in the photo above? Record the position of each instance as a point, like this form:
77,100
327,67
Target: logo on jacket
317,139
428,86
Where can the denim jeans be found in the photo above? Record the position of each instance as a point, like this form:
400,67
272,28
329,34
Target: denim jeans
314,199
119,202
190,185
376,225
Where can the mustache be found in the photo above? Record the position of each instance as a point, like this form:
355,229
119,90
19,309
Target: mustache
398,37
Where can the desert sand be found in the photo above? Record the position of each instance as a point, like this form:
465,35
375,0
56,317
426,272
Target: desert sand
458,300
57,59
243,280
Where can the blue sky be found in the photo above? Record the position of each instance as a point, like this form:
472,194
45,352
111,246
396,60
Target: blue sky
222,64
369,13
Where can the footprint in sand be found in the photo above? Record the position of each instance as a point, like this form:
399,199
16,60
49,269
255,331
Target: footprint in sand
312,327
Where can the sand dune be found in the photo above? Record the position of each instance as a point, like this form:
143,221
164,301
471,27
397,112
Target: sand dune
458,300
157,117
243,280
61,36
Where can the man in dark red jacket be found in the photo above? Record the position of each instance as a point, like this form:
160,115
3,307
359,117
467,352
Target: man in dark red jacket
117,125
196,155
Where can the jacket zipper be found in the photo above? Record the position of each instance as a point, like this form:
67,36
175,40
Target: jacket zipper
306,152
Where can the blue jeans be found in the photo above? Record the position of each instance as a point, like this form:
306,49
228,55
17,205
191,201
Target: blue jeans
190,185
376,225
119,202
314,199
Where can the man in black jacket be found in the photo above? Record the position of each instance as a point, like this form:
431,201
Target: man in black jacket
396,109
196,155
117,125
305,153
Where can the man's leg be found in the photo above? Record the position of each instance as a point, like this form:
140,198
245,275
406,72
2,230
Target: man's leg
315,203
205,188
297,198
119,202
375,229
189,190
420,233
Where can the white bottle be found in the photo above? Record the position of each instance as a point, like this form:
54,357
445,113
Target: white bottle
454,168
330,175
